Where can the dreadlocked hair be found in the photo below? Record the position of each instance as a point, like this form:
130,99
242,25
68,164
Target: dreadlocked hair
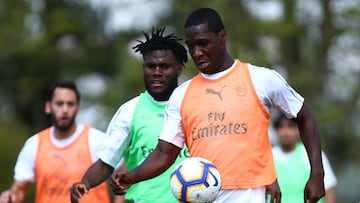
157,41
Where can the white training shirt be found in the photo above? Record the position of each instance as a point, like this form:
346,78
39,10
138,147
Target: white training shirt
118,133
271,88
329,178
25,164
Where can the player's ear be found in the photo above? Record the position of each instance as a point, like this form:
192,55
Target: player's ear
223,36
179,69
47,107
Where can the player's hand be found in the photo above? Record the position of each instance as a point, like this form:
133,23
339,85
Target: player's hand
273,190
7,197
314,189
120,182
77,190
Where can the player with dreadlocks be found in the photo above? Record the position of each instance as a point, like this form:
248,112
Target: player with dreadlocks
134,129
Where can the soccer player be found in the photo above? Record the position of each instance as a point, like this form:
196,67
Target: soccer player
135,127
292,164
48,158
222,114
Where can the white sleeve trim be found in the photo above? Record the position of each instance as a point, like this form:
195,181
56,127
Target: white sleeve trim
173,131
25,164
118,134
96,139
274,91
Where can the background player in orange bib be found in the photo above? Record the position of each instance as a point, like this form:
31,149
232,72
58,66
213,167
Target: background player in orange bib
48,157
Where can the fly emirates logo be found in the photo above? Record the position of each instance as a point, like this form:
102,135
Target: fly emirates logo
217,125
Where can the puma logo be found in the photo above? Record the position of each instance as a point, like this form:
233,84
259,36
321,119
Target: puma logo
218,93
59,158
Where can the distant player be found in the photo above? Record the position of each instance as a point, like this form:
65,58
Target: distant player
135,127
292,164
47,158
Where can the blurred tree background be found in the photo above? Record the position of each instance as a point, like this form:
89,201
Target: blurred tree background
314,44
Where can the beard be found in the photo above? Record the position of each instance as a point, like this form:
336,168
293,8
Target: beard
62,127
165,94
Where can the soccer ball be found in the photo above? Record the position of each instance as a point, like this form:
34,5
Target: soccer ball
195,180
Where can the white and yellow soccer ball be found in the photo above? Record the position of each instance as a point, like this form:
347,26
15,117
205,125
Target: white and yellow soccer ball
195,180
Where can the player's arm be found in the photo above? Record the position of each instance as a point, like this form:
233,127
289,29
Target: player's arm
16,193
119,199
121,168
157,162
273,192
309,132
95,175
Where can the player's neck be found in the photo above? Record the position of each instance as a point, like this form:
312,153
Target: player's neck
62,134
227,63
288,148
